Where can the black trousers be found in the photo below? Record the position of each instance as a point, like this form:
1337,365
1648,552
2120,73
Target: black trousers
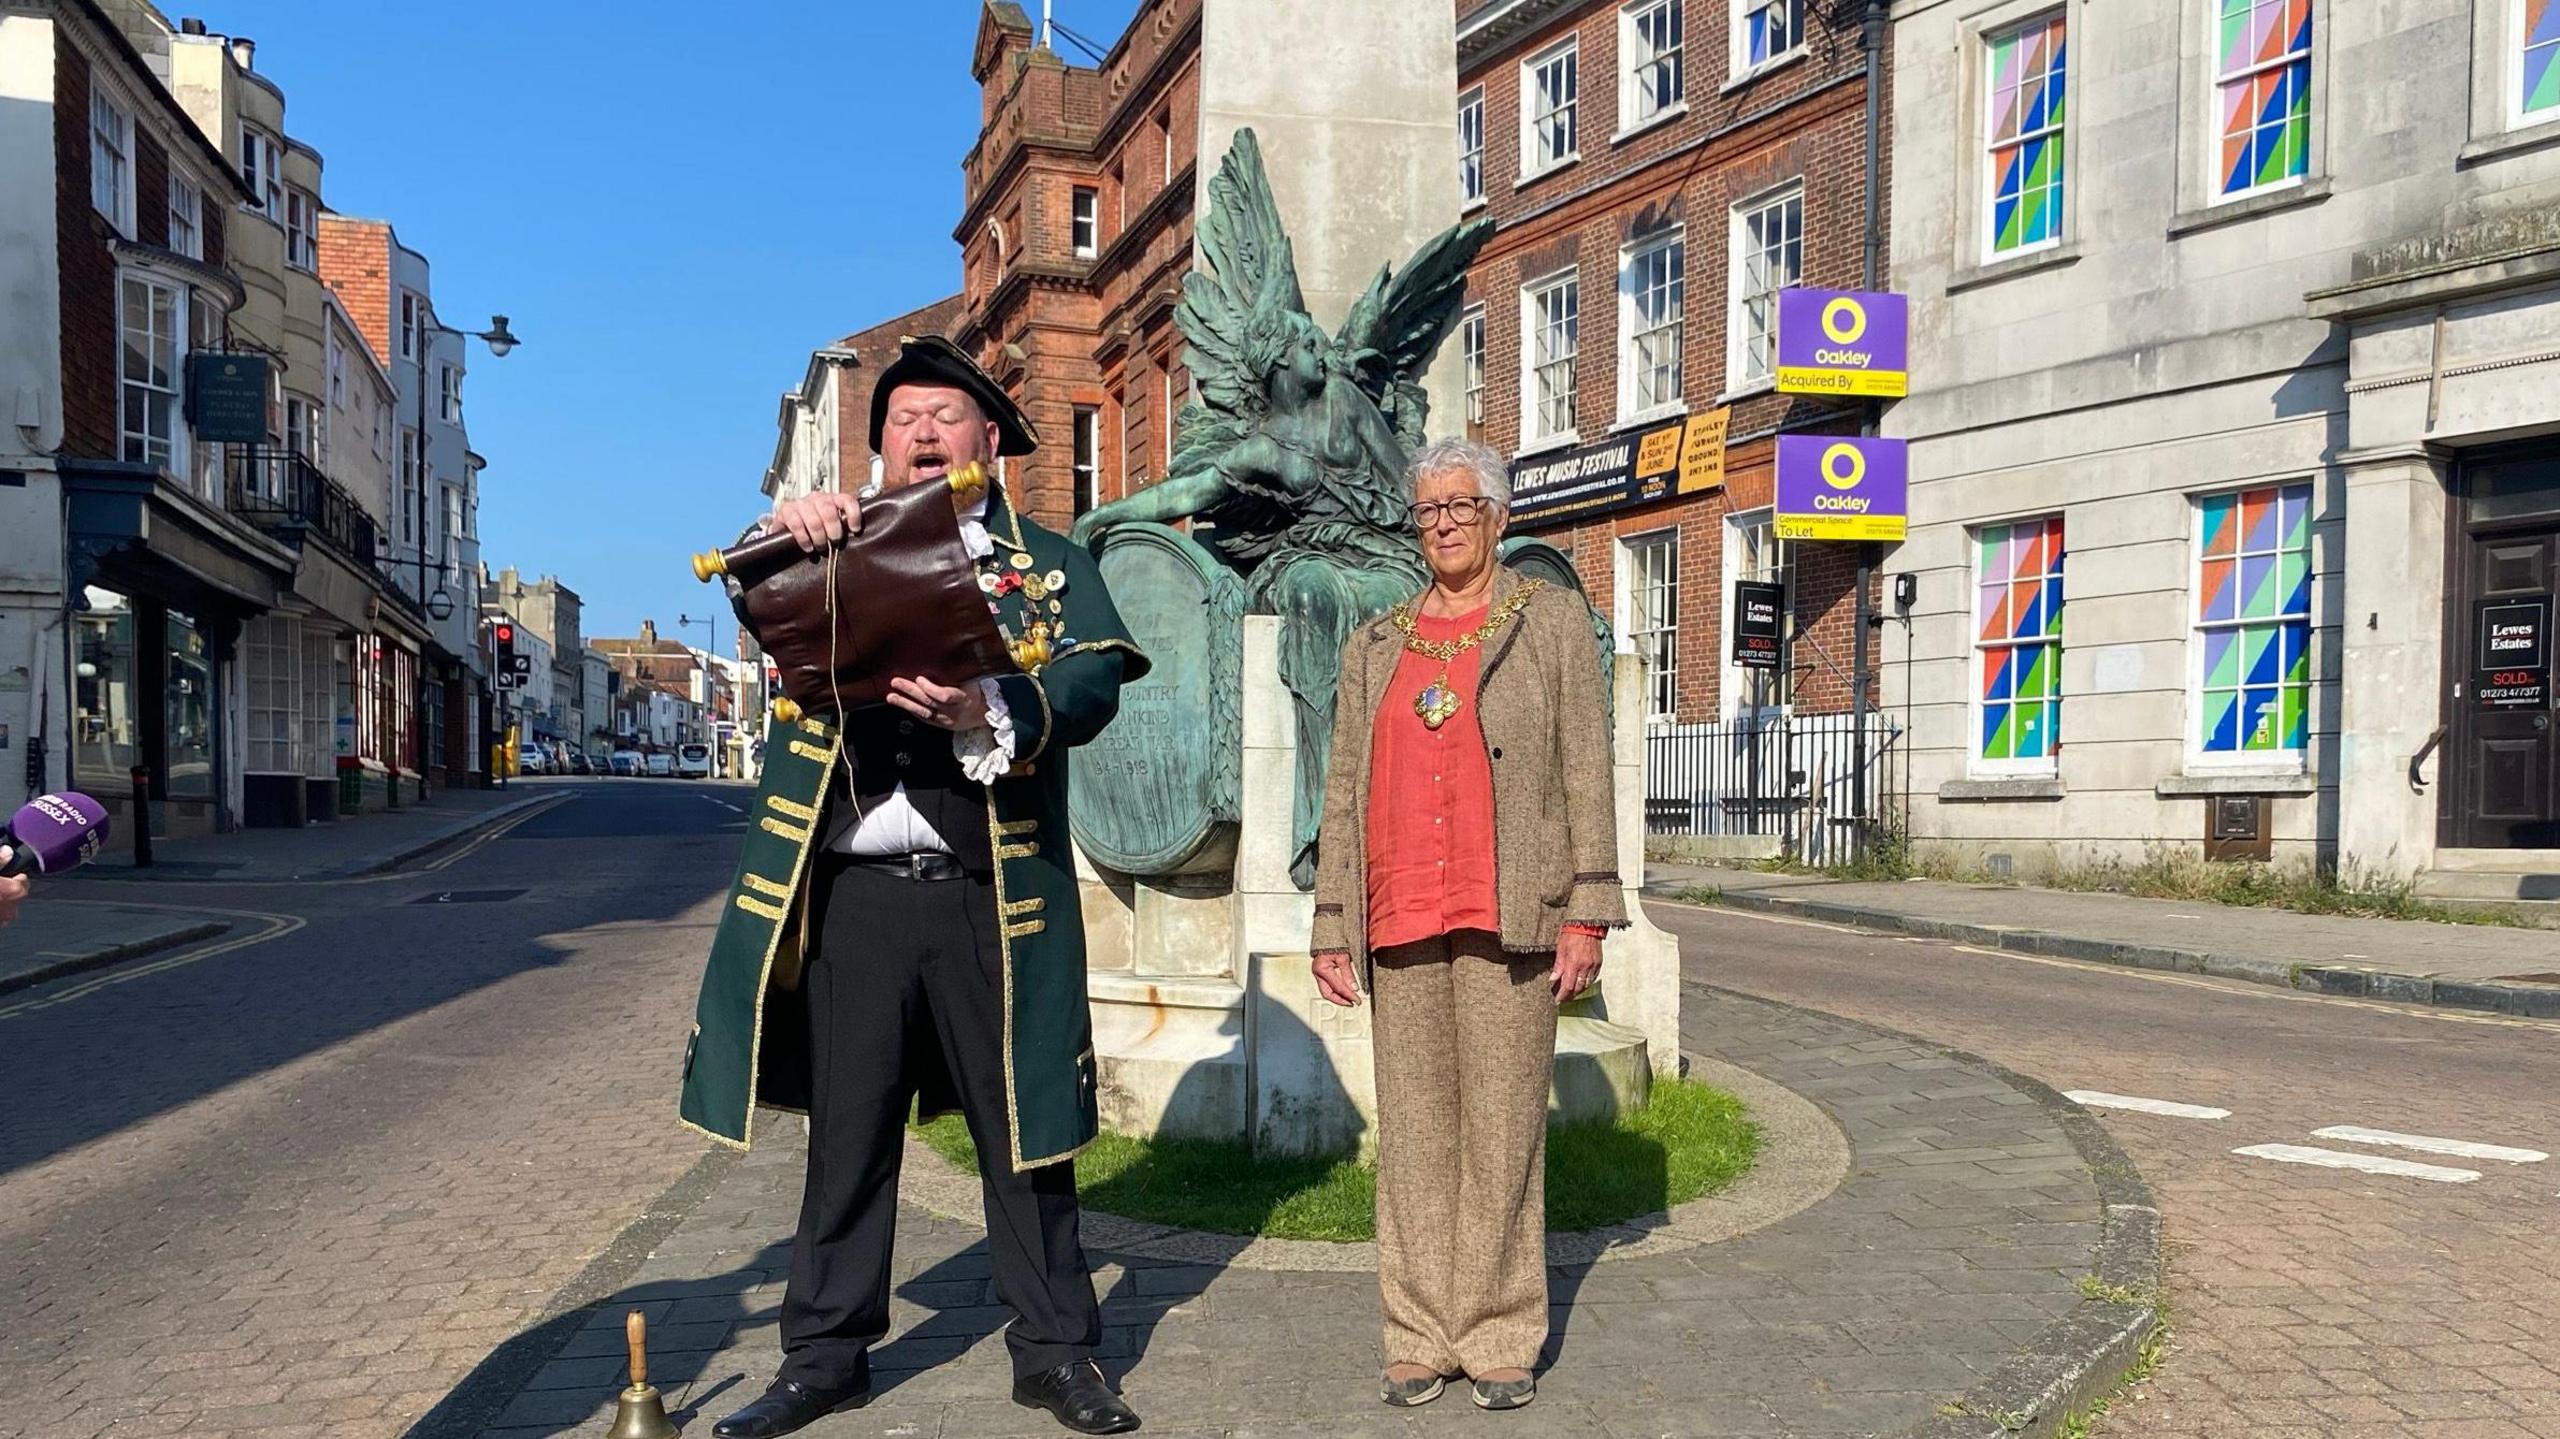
902,968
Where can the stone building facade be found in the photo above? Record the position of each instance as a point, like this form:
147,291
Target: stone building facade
2234,341
1656,172
822,426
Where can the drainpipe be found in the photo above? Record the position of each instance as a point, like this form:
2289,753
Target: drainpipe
1871,270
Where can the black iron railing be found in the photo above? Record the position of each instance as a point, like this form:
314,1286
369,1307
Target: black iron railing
285,494
1788,777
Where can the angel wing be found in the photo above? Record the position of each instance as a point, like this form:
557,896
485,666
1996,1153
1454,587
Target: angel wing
1250,272
1397,324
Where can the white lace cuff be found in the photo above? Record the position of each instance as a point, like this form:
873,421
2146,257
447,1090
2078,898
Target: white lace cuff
986,752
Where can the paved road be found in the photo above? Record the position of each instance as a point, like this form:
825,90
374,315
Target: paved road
300,1180
2308,1302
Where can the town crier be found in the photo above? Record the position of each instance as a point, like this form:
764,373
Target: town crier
904,927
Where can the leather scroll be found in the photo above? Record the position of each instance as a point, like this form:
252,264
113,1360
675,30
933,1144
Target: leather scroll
905,603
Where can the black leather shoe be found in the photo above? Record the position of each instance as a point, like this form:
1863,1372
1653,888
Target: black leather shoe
1077,1395
788,1408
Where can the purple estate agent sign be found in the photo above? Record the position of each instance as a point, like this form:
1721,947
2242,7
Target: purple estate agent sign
1842,487
1843,342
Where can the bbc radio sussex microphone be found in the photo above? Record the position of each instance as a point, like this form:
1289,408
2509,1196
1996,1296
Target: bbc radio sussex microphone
52,833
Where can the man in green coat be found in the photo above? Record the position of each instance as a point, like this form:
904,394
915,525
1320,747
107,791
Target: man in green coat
904,928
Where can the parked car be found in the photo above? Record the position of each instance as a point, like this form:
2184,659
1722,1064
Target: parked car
693,761
626,761
662,765
578,763
533,761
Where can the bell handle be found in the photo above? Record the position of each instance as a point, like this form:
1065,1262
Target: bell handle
635,1328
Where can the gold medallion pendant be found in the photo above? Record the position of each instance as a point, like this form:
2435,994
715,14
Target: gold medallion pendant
1437,704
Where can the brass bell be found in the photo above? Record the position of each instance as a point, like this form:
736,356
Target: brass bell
642,1415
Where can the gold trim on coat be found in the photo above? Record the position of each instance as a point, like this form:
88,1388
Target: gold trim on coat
766,887
761,909
1012,827
791,832
791,808
1025,929
1033,905
1024,850
806,750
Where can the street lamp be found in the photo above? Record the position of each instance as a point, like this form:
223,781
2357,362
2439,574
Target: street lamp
711,666
500,340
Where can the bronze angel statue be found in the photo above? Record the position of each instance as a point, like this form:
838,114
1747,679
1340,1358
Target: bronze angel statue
1292,460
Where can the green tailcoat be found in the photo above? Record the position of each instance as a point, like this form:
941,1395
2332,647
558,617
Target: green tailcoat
750,1045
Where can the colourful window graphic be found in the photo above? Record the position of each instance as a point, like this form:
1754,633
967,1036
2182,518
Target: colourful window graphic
2253,606
2019,639
2541,56
2026,136
2263,85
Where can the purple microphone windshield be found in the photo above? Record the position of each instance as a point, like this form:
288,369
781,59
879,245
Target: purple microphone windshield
55,832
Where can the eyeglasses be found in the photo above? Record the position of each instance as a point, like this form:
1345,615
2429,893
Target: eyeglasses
1465,510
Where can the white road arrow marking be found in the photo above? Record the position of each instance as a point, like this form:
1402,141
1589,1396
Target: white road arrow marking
2458,1148
2362,1163
2100,1099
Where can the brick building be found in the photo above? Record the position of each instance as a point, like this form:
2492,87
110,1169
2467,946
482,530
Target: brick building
823,426
1074,235
1656,172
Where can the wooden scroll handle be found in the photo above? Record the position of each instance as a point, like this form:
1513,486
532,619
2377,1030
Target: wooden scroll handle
752,560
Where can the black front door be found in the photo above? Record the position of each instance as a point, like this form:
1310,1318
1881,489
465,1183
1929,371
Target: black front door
2502,746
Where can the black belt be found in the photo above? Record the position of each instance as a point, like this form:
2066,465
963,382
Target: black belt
924,865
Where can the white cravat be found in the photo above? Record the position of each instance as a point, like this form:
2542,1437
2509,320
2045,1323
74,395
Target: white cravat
893,826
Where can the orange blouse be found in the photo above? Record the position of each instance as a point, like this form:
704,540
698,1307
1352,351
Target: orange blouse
1431,803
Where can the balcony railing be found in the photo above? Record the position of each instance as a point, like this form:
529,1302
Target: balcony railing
283,493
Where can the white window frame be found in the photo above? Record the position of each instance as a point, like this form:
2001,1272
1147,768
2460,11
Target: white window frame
337,373
2512,102
449,393
1743,67
111,159
271,659
1987,145
412,320
1535,430
302,426
186,217
2260,762
1471,147
1632,407
1084,221
262,171
1751,551
302,229
413,464
1535,160
1638,63
1635,575
176,448
1741,344
2214,82
1975,764
1471,359
1084,458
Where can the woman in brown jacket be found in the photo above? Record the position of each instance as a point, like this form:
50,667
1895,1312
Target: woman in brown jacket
1466,872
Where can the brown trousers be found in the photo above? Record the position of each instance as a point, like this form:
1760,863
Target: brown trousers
1465,1043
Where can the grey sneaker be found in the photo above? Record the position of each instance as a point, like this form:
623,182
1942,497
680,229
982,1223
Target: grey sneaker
1410,1393
1505,1393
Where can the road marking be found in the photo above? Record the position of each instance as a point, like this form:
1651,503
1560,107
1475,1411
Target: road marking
2361,1163
2100,1099
2458,1148
724,804
2236,988
277,926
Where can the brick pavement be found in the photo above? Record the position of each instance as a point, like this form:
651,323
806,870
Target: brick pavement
2306,1303
1944,1269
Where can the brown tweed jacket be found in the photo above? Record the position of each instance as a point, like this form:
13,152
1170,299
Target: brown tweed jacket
1543,713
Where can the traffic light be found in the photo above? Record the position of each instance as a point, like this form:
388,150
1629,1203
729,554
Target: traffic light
505,635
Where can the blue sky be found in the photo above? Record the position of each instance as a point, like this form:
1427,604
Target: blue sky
672,208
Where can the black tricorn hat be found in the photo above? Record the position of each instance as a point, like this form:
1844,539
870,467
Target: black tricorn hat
933,360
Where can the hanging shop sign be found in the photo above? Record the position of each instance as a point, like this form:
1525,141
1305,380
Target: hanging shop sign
227,398
1676,457
1843,342
2514,666
1759,609
1842,487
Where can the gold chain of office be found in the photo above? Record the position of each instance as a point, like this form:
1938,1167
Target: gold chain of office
1438,702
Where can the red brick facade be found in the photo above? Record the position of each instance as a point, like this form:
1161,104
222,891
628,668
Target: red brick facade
1065,331
355,262
1797,123
872,350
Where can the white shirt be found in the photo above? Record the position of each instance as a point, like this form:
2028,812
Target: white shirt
893,826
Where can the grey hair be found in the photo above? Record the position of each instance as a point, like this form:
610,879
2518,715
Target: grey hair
1482,461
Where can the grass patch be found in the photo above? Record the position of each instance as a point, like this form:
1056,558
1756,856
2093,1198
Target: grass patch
1691,1140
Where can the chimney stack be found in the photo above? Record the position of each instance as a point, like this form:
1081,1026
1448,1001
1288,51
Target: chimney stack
244,52
649,633
191,26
